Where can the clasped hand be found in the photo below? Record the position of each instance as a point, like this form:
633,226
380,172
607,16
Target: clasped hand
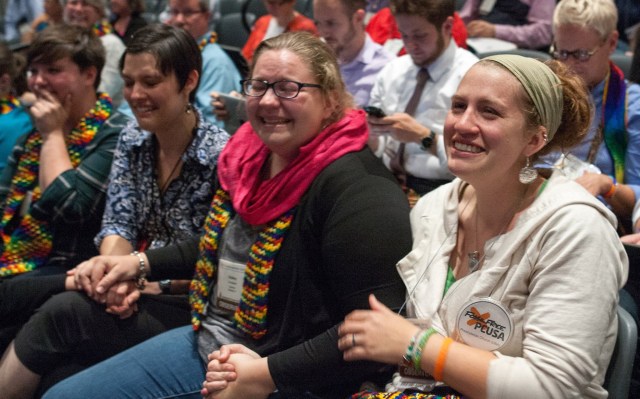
235,371
109,280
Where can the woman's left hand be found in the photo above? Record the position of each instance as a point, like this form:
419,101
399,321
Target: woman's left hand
377,334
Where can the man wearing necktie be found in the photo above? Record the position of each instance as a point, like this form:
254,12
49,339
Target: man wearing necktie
414,91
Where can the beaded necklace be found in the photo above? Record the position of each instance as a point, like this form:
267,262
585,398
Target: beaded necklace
400,395
102,28
210,38
251,314
8,104
27,241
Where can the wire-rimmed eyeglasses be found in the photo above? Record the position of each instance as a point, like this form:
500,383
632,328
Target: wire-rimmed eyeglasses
282,88
580,54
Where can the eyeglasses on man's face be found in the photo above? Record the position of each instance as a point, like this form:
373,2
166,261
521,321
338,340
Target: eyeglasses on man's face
185,13
580,54
281,88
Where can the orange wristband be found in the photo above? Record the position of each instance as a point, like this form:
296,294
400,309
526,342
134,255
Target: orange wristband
611,191
438,369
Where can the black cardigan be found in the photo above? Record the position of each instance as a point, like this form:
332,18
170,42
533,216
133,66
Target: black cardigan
349,230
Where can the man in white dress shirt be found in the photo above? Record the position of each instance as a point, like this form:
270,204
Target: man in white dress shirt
409,140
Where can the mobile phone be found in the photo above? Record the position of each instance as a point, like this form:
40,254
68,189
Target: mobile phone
374,111
237,113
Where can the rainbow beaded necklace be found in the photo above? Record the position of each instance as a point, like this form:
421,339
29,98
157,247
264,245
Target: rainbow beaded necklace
210,38
400,395
8,104
251,314
26,240
102,28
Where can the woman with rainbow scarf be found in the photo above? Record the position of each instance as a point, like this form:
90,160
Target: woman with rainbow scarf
306,222
52,192
160,187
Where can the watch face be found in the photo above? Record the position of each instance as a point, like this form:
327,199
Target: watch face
427,141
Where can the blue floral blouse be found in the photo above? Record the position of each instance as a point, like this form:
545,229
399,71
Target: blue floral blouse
137,212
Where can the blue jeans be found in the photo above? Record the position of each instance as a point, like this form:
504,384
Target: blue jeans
166,366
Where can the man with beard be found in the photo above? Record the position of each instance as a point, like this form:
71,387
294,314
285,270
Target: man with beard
414,91
341,24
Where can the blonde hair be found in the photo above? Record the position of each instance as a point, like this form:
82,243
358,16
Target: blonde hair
320,59
599,15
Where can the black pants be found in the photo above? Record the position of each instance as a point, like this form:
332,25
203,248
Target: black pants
20,296
71,332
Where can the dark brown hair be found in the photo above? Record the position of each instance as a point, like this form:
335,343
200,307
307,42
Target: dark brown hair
61,41
434,11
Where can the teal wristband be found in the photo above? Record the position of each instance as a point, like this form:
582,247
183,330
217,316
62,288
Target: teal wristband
421,342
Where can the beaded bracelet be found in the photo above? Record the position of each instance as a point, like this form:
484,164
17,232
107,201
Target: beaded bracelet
438,369
141,278
421,342
408,354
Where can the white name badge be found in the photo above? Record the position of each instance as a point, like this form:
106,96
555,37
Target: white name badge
229,285
484,324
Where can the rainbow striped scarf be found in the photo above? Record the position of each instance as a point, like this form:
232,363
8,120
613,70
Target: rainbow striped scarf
26,240
102,28
8,104
209,38
251,314
614,119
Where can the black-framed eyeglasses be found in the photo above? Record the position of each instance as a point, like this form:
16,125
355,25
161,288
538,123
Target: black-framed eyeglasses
282,88
580,54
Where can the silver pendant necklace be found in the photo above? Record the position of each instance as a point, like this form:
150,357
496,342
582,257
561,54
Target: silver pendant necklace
474,260
473,257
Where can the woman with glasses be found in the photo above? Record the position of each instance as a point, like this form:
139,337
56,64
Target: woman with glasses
305,224
281,17
160,189
607,160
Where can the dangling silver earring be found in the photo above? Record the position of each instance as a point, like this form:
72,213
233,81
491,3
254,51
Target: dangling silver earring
527,174
188,108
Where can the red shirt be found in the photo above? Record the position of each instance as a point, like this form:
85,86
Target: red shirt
383,27
299,23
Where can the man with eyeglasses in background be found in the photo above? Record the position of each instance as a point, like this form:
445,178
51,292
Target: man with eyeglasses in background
218,71
585,36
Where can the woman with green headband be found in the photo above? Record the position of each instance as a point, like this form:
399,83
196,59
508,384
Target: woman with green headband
513,278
